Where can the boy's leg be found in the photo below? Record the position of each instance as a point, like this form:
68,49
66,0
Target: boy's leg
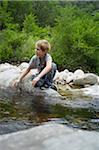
48,78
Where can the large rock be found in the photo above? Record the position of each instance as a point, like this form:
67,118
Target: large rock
83,97
80,97
50,137
88,78
7,76
7,66
9,73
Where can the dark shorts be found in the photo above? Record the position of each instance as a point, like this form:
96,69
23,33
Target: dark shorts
48,78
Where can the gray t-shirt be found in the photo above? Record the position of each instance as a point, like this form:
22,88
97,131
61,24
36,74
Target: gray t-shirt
39,63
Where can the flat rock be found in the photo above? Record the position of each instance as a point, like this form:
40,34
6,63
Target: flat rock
50,137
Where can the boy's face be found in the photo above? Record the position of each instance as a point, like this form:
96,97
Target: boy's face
39,52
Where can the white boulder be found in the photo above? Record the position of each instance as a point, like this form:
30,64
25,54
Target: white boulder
78,74
23,65
61,77
70,77
6,66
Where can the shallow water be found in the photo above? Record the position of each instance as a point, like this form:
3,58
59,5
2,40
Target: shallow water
22,111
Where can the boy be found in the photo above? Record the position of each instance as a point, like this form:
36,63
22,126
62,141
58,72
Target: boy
42,61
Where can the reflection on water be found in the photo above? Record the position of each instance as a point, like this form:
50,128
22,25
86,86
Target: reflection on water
25,111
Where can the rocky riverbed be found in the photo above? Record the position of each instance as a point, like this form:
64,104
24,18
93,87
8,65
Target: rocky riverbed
70,101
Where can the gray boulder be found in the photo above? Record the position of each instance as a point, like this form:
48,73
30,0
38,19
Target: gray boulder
78,97
50,137
88,78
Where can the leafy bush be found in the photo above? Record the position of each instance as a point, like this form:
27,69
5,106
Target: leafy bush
19,45
75,39
11,41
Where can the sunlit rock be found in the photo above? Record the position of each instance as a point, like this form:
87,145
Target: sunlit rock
23,65
56,75
6,66
62,77
70,77
78,78
50,137
98,79
78,74
9,73
7,76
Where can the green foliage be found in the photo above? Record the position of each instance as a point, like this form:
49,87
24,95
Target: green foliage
10,43
46,12
30,27
18,10
19,45
75,39
5,17
72,32
29,24
28,47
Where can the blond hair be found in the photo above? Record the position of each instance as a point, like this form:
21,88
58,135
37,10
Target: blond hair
44,45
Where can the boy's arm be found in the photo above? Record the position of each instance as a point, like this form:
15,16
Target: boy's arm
24,74
43,72
31,65
46,69
16,82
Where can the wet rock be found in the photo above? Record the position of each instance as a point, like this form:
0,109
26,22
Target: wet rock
8,126
80,97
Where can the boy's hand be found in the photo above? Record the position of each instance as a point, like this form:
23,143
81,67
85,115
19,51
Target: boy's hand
15,83
35,80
